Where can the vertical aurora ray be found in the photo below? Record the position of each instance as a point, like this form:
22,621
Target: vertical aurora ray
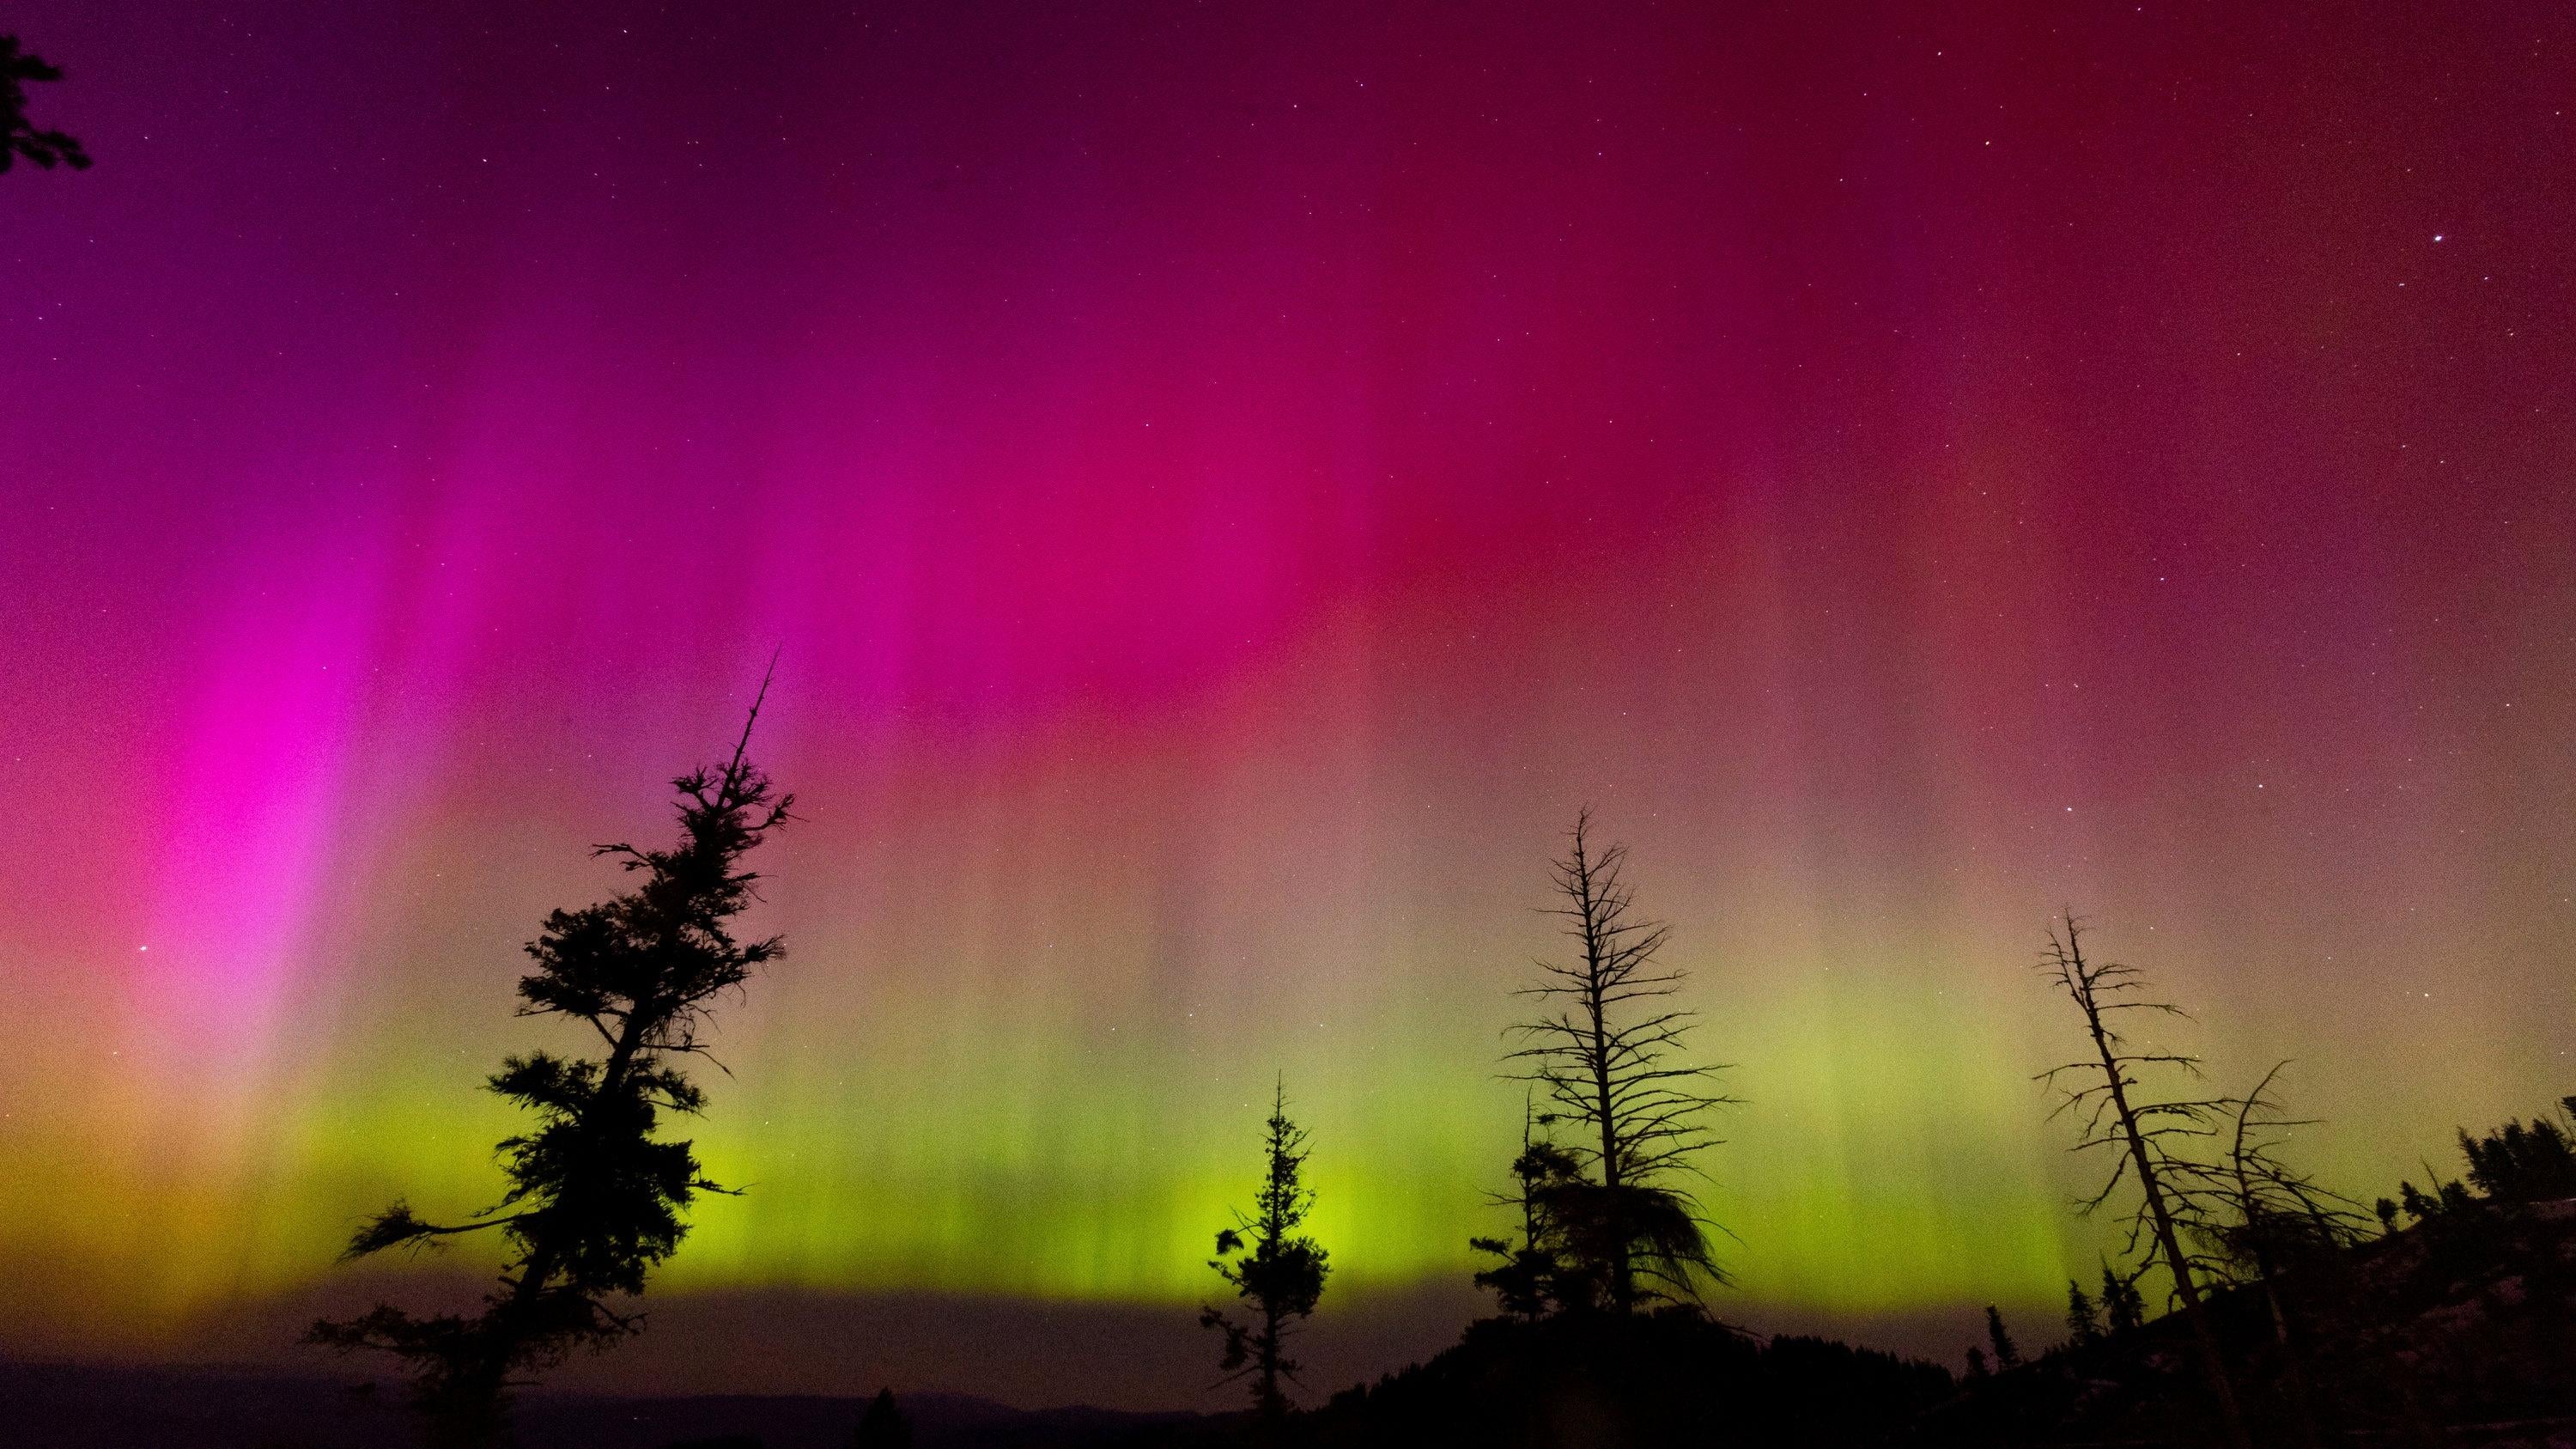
1217,527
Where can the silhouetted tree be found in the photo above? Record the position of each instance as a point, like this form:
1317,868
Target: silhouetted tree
2509,1165
2453,1196
2083,1321
594,1199
2523,1163
2123,1307
1977,1369
2258,1214
1604,1058
2141,1134
18,136
2007,1352
2263,1217
1274,1268
1536,1275
883,1426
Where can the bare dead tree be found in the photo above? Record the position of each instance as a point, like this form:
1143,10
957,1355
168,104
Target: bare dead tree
2260,1218
2104,1094
1606,1055
2275,1217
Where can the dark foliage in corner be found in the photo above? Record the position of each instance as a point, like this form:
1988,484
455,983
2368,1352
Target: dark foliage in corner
19,137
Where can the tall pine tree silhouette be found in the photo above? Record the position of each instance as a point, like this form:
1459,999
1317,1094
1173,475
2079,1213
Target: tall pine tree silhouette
1275,1270
595,1198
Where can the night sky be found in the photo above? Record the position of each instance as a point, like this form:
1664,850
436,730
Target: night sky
1224,485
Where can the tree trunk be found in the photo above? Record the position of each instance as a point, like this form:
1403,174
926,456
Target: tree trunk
2213,1362
2293,1376
1623,1290
1272,1405
537,1269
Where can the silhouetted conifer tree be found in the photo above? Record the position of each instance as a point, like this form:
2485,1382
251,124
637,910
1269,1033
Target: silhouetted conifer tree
2123,1307
595,1198
2083,1322
1536,1275
1977,1370
2140,1133
18,136
2007,1352
2524,1163
883,1426
1604,1058
2509,1164
1275,1269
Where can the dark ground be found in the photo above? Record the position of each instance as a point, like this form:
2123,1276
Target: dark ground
2456,1330
60,1406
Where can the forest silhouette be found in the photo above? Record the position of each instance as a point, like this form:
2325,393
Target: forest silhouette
2251,1305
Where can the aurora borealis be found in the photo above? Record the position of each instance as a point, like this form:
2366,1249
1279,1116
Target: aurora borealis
1224,485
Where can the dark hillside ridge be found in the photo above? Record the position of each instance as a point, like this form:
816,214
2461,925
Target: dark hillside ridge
62,1406
2460,1328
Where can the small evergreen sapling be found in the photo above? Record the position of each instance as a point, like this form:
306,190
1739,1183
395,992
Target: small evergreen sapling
2007,1352
2083,1322
1539,1274
883,1426
2123,1306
